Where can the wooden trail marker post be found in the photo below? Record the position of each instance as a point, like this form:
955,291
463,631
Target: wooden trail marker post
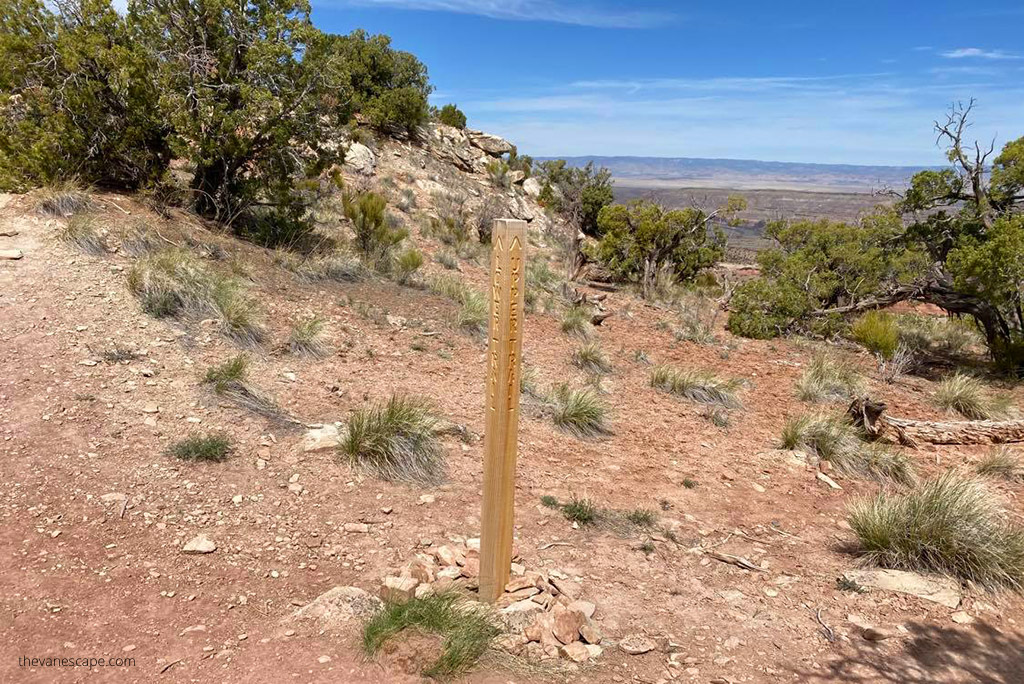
504,352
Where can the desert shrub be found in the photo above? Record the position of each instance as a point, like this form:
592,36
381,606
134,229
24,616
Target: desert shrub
949,525
590,357
580,510
450,115
837,441
1003,463
407,263
935,334
896,366
375,237
492,208
642,238
406,201
497,173
447,259
641,517
465,628
578,193
968,396
579,411
697,318
828,378
61,199
576,322
306,337
549,501
702,387
80,231
452,224
878,332
173,282
395,439
213,448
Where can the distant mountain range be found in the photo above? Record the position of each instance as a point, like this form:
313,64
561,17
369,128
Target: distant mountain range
743,174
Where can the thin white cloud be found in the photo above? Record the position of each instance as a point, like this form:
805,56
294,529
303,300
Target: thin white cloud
575,12
978,53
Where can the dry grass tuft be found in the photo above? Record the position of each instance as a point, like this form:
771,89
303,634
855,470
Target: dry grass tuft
837,441
579,411
1003,463
576,322
173,282
968,396
213,448
591,358
396,440
80,232
228,380
702,387
829,378
62,199
474,308
306,338
949,525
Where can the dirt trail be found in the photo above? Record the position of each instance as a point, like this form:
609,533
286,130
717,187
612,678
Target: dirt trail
84,574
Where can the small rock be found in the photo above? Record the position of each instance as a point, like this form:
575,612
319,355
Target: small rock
961,618
567,624
828,480
199,544
876,634
635,644
585,607
576,652
325,438
151,408
324,659
359,528
398,588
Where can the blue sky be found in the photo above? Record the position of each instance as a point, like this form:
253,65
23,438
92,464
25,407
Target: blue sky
831,82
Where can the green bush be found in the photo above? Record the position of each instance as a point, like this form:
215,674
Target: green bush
878,332
213,448
407,264
450,115
375,238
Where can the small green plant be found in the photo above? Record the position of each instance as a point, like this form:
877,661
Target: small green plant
466,630
591,358
702,387
213,448
968,396
306,337
395,439
828,378
1002,463
576,321
580,411
474,310
878,332
80,232
581,511
229,380
406,200
549,501
447,259
407,264
844,583
497,172
647,547
949,525
119,354
690,483
642,517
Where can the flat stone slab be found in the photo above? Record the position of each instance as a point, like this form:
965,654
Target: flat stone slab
941,590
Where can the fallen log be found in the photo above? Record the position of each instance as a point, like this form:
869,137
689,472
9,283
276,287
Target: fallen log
870,416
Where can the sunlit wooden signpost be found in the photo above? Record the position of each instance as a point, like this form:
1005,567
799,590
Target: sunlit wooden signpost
504,351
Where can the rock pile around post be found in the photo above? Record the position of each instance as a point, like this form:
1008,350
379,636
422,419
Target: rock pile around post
543,611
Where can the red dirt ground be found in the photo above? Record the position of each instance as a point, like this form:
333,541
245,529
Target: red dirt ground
79,579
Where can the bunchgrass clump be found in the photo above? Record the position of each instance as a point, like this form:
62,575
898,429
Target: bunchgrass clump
336,266
549,501
837,441
396,440
968,396
580,411
698,316
80,232
642,517
828,378
306,337
878,332
466,630
580,510
173,282
717,416
1002,463
591,358
406,265
949,525
62,199
228,380
576,322
119,354
474,308
702,387
212,448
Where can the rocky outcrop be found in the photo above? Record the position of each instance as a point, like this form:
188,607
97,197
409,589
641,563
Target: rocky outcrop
491,144
360,159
